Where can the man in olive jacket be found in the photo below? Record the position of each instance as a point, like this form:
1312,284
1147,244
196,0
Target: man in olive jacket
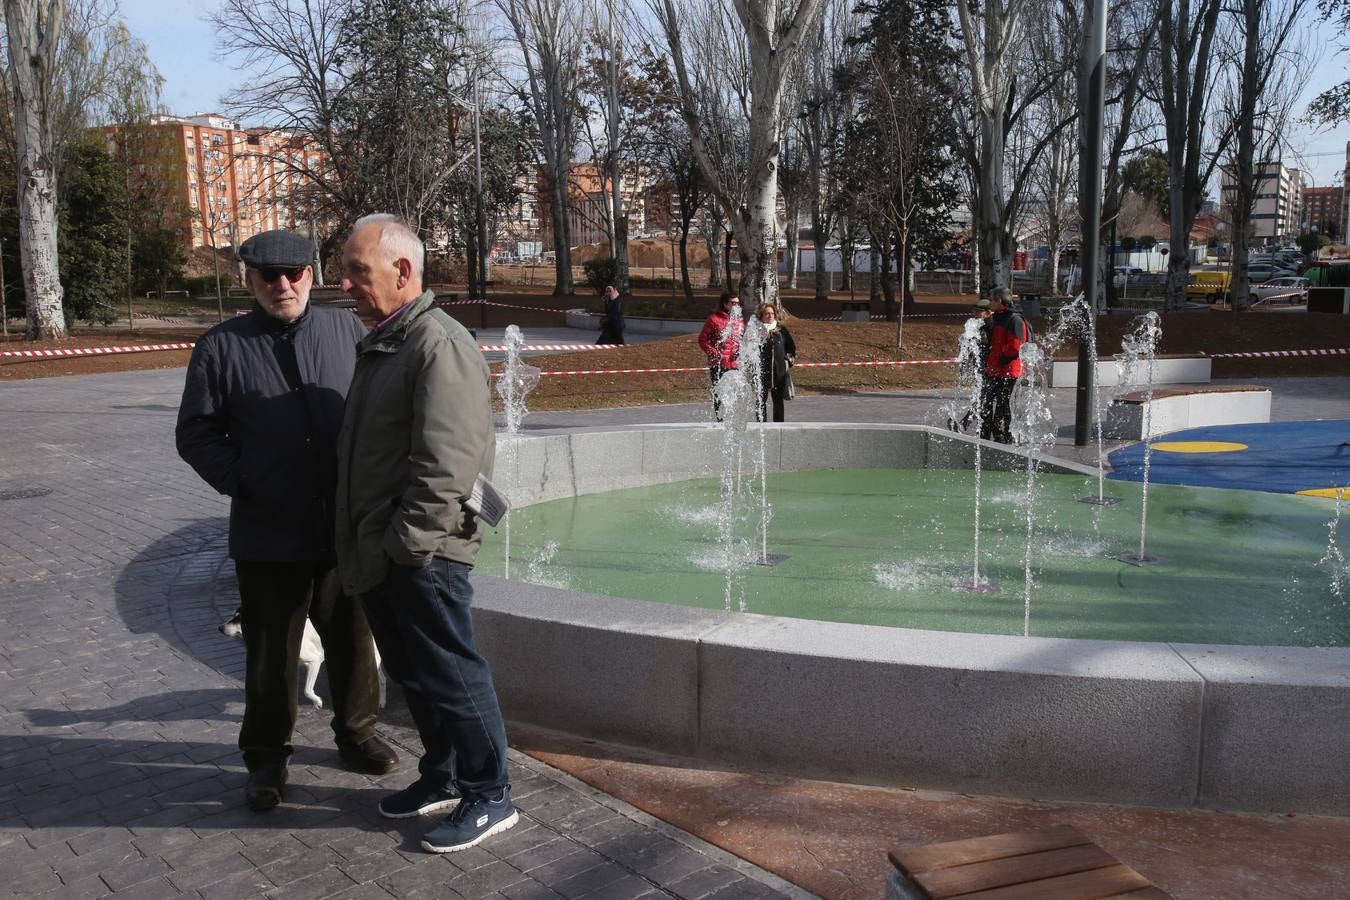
417,433
259,419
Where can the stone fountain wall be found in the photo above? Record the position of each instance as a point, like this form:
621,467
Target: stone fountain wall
1148,723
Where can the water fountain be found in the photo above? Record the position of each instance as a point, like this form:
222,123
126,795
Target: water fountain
1135,364
1334,558
1033,429
517,380
968,405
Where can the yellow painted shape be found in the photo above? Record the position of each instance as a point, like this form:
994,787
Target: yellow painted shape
1329,493
1198,446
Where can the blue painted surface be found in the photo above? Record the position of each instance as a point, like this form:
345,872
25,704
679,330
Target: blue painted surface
1282,457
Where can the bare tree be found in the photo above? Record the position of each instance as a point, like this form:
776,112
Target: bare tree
1187,52
548,38
773,30
989,30
1260,106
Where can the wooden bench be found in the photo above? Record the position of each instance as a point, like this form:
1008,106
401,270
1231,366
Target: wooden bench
1056,864
1176,409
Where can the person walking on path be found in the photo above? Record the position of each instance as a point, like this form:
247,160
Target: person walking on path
259,420
777,355
611,328
720,339
417,434
1007,333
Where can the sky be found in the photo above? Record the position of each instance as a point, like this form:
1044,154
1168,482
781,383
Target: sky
183,47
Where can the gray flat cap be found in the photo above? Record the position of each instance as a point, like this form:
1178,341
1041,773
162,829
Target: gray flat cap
283,249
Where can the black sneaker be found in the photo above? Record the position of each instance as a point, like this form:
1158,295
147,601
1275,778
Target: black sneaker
416,799
471,822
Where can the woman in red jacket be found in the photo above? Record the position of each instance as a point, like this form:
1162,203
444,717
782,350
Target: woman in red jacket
720,339
1007,333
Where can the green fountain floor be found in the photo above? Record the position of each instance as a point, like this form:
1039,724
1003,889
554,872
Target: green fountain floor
885,547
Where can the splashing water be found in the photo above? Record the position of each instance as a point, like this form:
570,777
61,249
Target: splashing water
514,385
540,571
752,343
516,381
1135,365
735,401
1033,427
967,406
1334,558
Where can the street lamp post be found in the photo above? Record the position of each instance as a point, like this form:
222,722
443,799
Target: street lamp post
479,212
1093,103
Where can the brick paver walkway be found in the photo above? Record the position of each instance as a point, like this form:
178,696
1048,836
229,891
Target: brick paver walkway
120,703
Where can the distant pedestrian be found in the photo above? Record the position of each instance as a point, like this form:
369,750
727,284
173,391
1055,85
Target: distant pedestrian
259,421
777,355
417,435
611,326
1007,333
720,340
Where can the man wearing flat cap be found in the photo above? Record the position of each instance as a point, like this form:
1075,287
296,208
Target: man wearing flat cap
261,410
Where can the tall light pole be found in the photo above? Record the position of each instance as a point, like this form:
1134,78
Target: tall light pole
481,218
4,305
1092,101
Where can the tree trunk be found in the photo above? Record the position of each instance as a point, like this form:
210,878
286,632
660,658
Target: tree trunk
684,263
1239,289
34,31
994,265
791,248
874,273
756,231
820,235
712,235
901,245
884,271
562,238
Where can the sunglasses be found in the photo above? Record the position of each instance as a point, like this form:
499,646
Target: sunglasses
272,274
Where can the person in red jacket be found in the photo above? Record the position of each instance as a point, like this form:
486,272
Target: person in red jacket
720,339
1007,333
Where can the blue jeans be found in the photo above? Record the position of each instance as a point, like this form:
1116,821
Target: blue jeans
422,625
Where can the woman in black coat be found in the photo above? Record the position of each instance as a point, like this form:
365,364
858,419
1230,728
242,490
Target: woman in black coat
776,356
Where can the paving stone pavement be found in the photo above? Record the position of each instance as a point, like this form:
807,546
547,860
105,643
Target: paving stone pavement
120,704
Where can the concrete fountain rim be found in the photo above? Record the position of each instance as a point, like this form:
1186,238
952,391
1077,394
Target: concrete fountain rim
1229,726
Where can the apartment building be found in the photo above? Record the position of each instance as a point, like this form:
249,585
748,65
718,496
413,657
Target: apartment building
1278,209
1323,209
234,181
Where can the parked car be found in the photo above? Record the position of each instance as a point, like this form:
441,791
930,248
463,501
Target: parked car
1259,274
1208,285
1285,289
1126,274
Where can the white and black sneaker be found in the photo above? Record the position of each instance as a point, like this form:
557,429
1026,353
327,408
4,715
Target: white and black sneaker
418,799
471,822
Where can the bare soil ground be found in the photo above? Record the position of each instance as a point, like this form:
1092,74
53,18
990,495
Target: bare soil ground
930,334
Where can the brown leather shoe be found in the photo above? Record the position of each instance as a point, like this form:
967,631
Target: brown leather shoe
265,788
372,756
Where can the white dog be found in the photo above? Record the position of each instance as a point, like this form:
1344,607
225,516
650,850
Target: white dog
311,656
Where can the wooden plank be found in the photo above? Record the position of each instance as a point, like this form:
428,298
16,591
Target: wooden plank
1094,885
912,860
981,876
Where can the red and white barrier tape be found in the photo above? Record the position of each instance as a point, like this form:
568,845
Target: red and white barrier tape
90,351
502,305
820,365
501,348
1338,351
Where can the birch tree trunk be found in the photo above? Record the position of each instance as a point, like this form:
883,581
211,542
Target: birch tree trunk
34,30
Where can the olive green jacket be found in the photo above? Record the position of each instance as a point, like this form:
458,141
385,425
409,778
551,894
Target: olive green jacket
417,432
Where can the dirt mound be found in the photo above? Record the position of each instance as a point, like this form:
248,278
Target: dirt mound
647,253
